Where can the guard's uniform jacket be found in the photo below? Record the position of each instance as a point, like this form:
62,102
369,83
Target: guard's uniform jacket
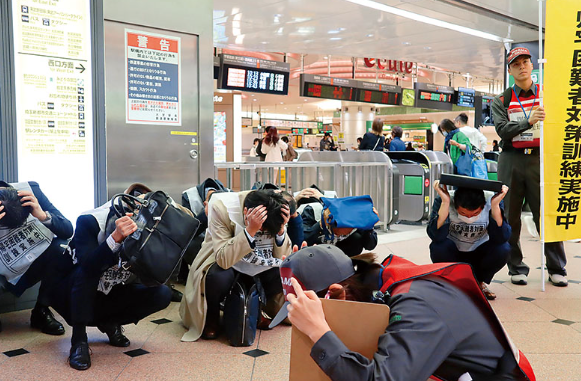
441,325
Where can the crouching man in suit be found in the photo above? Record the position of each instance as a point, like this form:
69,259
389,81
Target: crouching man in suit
96,290
33,233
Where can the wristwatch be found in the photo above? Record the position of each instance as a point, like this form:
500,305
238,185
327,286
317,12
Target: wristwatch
48,217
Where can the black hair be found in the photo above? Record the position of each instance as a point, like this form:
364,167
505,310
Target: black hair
397,131
357,287
447,125
468,198
16,214
284,139
213,192
267,129
292,203
256,140
495,141
359,140
273,202
327,134
463,118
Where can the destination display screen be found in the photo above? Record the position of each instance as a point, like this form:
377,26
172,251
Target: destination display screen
316,86
465,97
254,75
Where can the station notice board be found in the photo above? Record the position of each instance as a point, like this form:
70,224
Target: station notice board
344,318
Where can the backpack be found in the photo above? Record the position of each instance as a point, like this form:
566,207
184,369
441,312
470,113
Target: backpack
242,311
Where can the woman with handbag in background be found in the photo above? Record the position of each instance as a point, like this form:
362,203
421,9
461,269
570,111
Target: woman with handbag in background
373,140
455,142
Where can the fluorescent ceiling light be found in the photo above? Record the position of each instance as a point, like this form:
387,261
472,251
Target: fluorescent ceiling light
429,20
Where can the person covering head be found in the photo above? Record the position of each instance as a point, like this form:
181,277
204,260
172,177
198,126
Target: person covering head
315,268
12,213
273,201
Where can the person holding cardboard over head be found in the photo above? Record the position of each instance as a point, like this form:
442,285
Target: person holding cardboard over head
440,323
468,225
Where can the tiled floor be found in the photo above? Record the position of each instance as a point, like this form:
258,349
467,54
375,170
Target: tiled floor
546,326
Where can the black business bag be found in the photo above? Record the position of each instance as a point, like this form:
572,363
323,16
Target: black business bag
163,233
242,310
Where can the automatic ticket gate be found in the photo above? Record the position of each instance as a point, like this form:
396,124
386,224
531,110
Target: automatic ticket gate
492,164
416,173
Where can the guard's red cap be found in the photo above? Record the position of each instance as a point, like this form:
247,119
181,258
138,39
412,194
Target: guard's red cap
517,52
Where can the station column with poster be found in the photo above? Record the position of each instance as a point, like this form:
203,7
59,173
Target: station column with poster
53,84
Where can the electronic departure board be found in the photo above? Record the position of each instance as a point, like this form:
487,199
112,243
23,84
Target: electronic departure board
465,97
378,93
316,86
253,74
434,96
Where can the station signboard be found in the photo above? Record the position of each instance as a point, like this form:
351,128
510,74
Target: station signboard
379,93
433,96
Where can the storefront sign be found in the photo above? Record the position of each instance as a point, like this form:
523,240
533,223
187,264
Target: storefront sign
153,78
53,74
389,65
562,126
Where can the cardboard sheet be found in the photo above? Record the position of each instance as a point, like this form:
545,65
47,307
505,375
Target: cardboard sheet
357,324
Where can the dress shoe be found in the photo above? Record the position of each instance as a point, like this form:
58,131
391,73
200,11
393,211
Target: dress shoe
264,322
211,329
43,319
115,334
558,280
486,291
79,357
176,296
520,279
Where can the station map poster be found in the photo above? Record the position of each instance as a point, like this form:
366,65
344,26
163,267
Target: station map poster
153,78
562,126
219,137
53,74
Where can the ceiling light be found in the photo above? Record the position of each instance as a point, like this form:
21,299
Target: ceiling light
281,103
428,20
264,42
335,38
255,100
333,32
370,35
325,57
406,43
427,48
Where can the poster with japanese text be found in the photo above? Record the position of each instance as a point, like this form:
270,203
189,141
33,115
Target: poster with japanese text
219,136
562,126
153,78
54,103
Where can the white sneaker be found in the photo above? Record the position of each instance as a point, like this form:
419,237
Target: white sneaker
520,279
558,280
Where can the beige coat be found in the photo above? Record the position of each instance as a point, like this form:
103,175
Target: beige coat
224,247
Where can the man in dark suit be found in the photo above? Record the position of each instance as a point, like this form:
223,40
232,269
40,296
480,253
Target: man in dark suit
31,230
96,290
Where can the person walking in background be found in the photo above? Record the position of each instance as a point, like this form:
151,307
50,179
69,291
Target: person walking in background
254,146
327,143
409,147
476,137
373,140
495,147
273,147
396,143
455,141
259,152
290,154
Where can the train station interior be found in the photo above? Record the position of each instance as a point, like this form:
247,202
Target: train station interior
97,95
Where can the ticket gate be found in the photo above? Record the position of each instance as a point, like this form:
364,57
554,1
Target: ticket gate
492,155
412,187
492,167
429,165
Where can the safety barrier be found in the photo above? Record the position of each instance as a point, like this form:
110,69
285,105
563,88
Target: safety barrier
354,178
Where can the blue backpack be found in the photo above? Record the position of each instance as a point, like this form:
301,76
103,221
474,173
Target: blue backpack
349,212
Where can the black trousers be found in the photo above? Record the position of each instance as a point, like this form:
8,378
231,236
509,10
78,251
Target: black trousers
220,281
521,173
486,260
77,300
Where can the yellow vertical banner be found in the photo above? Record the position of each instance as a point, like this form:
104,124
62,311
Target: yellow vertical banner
562,126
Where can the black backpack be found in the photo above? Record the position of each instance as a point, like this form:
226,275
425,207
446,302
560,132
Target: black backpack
242,311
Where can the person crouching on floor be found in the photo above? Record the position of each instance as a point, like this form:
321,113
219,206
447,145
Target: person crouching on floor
246,235
469,226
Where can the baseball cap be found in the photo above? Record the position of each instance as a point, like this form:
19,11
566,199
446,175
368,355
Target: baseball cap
315,268
517,52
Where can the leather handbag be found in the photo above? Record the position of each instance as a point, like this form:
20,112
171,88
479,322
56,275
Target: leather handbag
163,233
